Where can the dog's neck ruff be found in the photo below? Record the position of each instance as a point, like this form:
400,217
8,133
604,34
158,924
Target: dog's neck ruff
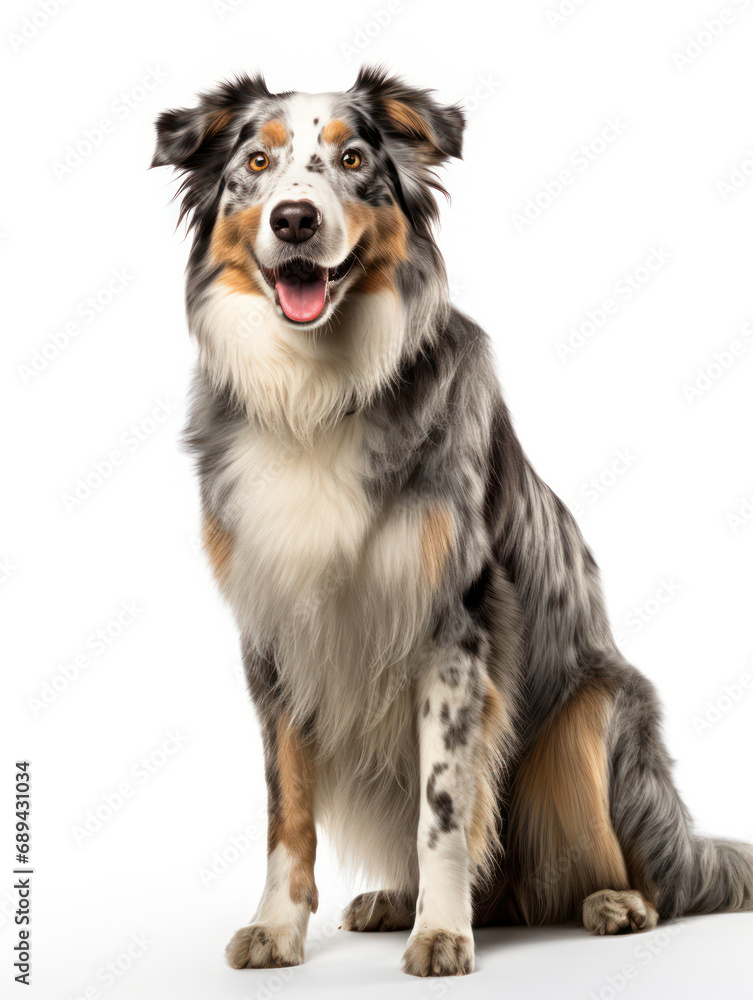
299,383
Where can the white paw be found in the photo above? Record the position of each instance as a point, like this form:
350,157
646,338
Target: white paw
263,946
438,953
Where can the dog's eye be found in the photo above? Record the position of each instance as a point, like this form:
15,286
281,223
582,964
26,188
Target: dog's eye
351,159
258,162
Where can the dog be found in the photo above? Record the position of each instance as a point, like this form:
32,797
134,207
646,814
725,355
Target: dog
423,629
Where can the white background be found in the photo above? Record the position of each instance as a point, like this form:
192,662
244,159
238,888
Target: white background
536,91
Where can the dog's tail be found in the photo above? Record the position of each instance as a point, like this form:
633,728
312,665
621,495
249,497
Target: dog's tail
721,876
683,872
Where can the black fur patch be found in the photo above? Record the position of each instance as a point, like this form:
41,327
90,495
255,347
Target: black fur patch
456,731
441,805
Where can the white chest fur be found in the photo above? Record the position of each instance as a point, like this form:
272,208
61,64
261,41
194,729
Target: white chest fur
298,517
335,585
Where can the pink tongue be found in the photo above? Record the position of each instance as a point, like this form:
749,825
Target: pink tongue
301,301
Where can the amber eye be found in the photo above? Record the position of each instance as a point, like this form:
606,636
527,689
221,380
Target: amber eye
351,159
258,162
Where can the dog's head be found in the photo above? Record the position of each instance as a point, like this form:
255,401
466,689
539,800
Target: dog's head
305,198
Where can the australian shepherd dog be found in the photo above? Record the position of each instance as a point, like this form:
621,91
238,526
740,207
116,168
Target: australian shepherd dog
422,624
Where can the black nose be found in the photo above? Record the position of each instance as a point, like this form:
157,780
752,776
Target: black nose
294,221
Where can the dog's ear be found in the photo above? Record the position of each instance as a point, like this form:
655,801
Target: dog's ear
198,141
412,115
190,137
437,130
182,132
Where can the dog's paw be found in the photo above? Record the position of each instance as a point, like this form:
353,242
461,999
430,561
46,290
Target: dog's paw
612,912
438,953
386,910
262,946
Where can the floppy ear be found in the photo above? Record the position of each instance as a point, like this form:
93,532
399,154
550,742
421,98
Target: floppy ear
412,115
420,133
182,132
437,130
187,133
198,141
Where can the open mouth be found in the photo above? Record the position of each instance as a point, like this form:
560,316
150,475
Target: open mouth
304,288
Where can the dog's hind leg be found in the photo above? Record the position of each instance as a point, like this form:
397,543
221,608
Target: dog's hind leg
597,828
383,910
609,912
567,858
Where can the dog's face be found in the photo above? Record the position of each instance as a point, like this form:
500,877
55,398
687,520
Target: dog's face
303,198
303,191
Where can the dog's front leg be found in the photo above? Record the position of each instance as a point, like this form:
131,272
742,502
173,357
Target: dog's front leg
449,716
278,930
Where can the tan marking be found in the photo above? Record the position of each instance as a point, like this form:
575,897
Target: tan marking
218,123
380,236
273,133
237,279
218,544
292,823
231,238
495,733
406,120
437,538
232,235
336,132
561,833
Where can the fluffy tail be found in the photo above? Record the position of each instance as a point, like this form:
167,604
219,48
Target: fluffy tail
684,873
721,876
